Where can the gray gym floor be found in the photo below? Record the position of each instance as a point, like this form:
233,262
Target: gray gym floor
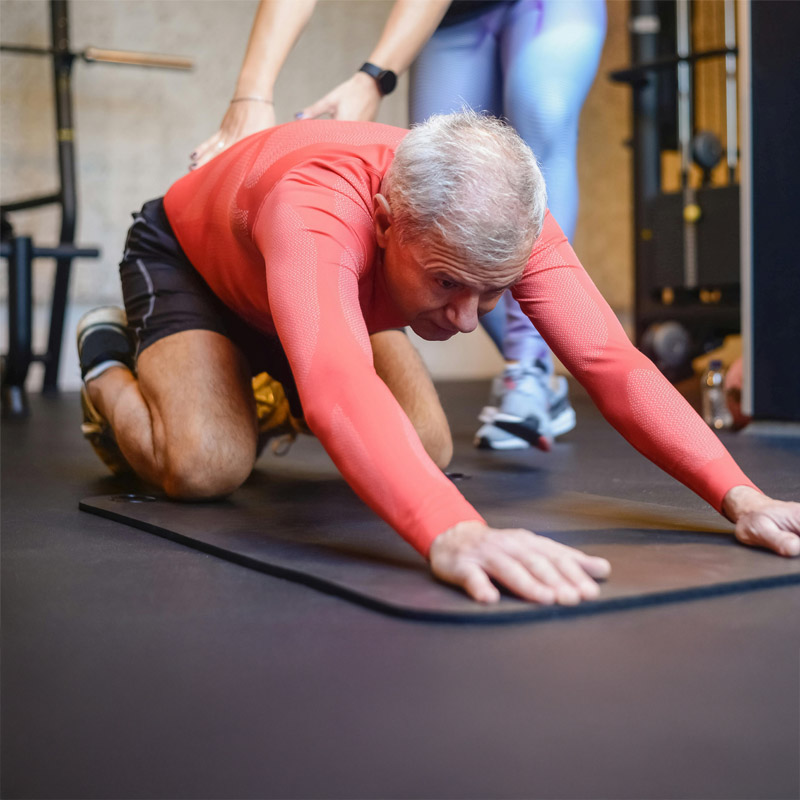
136,667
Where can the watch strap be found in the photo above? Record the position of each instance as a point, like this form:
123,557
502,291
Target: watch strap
371,69
386,79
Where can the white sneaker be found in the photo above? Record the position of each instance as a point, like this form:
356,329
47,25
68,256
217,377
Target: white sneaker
532,410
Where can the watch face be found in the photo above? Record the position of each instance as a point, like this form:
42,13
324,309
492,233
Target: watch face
387,80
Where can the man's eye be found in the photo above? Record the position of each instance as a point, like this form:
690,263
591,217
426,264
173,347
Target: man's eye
445,284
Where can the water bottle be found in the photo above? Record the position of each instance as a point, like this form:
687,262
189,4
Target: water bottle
712,389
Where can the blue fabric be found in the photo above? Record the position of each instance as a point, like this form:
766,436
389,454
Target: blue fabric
533,62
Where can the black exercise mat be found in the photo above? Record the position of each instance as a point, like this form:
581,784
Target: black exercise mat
300,521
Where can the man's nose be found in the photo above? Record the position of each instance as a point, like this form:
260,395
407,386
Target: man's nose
462,313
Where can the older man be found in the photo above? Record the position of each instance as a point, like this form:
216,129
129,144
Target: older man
286,252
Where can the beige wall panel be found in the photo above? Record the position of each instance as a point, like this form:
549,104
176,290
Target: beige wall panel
603,234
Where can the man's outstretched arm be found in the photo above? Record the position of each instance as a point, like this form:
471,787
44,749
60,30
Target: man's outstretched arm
313,262
637,399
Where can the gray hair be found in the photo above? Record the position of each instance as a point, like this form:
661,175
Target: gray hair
469,182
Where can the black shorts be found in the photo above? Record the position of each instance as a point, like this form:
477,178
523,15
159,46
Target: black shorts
165,294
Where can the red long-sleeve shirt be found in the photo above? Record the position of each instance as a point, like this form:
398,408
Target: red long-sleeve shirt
280,227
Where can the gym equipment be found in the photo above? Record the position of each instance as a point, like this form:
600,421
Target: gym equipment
707,152
668,345
21,251
686,242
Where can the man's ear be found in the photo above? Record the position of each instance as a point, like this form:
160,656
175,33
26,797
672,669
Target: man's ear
382,218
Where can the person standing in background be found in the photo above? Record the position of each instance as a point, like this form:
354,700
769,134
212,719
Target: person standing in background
531,61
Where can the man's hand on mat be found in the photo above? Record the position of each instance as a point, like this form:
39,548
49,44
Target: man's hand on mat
471,555
762,521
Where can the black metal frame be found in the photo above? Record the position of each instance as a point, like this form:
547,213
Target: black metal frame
20,250
646,144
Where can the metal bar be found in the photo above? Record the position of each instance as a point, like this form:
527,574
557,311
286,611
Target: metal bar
26,50
685,125
103,55
19,309
31,202
66,251
731,110
62,68
159,60
683,42
746,203
59,251
640,69
644,25
20,325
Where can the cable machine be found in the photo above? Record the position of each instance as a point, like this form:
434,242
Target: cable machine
686,242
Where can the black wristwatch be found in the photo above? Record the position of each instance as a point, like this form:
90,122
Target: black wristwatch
385,78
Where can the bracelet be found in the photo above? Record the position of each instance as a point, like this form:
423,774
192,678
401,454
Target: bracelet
255,99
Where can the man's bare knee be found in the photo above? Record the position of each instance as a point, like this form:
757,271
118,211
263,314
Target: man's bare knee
192,486
199,475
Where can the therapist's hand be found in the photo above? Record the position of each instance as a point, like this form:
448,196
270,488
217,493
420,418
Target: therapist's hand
356,99
242,119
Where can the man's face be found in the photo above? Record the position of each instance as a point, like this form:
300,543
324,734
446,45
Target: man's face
435,291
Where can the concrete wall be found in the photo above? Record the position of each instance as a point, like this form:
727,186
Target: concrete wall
135,128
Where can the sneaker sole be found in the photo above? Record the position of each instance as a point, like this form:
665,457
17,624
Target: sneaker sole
488,413
515,443
103,316
527,429
564,422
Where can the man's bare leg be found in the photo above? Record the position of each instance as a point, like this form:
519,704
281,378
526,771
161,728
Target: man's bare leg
187,424
401,368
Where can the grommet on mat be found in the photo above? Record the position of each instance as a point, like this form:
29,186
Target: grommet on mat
133,498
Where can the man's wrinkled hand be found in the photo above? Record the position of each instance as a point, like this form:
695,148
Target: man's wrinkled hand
472,555
762,521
